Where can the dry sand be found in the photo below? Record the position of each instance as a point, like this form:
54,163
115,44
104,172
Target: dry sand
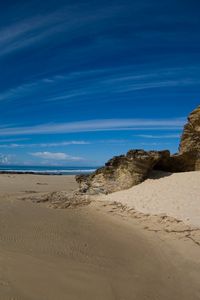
93,252
176,195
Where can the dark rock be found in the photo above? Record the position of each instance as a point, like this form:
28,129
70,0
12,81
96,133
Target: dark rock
179,163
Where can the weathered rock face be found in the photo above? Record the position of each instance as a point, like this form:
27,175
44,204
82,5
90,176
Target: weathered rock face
121,172
125,171
190,140
188,158
189,149
185,162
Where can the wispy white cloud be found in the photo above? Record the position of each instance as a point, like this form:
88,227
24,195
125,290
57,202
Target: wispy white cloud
43,145
114,141
157,84
45,84
13,140
4,159
65,143
23,33
96,125
2,146
56,156
155,144
164,136
39,28
70,87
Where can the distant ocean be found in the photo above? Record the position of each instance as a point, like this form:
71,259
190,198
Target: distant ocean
48,170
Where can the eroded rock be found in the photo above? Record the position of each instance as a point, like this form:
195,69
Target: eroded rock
121,172
184,162
190,140
125,171
189,148
188,158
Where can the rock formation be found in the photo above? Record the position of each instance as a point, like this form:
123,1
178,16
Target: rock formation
121,172
125,171
188,158
189,148
190,140
185,162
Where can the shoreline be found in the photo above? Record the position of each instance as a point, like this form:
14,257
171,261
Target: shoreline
31,173
63,173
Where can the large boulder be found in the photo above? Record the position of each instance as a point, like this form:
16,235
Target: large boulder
121,172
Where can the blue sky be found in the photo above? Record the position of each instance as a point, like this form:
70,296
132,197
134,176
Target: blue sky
82,81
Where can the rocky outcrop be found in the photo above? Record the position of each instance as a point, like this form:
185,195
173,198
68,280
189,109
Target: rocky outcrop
188,158
185,162
125,171
190,140
189,149
121,172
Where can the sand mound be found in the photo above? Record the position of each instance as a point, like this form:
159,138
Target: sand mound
177,195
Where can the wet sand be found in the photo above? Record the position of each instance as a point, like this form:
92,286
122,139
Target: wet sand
86,253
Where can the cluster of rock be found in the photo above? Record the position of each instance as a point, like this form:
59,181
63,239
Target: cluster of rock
125,171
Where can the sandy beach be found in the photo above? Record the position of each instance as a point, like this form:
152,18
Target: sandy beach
97,251
176,195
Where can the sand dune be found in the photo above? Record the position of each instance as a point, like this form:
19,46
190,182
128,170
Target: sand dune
177,195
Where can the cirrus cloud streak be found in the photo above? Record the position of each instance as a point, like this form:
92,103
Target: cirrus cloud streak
96,125
56,156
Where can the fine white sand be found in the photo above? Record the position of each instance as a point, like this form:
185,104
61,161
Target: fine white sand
176,195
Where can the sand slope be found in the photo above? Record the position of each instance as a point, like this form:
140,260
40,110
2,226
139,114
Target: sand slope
177,195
